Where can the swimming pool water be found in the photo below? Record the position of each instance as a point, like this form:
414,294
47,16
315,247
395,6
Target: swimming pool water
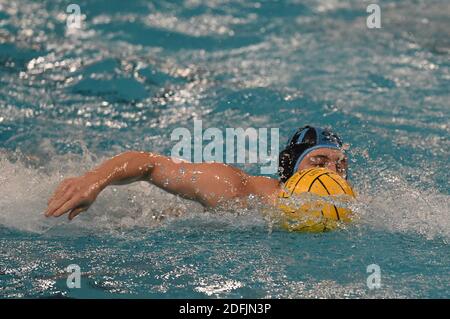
138,69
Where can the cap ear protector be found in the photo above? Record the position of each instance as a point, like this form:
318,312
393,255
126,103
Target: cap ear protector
287,160
303,141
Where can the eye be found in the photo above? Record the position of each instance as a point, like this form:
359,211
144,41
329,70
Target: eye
318,162
321,164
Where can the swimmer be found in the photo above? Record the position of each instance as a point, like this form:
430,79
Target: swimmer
211,184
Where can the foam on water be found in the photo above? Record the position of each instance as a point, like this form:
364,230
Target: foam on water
392,203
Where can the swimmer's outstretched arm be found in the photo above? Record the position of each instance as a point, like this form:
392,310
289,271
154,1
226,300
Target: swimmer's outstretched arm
208,183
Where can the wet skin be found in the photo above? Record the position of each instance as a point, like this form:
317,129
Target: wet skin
211,184
329,158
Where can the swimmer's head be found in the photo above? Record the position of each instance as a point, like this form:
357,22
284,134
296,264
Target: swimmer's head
312,147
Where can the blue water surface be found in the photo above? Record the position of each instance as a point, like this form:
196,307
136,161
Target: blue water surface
136,70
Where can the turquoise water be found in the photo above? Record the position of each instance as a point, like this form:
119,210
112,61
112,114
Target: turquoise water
138,69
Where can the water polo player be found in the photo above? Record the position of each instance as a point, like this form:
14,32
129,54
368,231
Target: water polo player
210,184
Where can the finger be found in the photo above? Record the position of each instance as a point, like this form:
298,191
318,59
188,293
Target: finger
56,194
63,186
58,202
60,190
69,205
75,212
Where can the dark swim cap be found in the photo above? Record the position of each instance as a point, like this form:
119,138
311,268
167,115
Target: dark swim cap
305,140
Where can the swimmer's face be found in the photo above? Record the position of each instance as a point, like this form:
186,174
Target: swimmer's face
334,160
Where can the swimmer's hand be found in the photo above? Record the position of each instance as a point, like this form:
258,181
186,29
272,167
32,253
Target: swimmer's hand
74,195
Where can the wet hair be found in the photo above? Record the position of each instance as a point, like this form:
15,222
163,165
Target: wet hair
303,141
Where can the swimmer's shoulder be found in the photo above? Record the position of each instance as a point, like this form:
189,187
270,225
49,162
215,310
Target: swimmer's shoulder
262,186
243,183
